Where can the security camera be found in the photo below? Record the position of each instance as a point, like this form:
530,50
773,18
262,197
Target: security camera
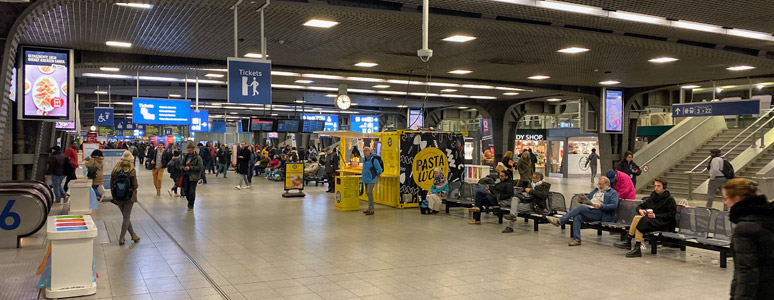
425,54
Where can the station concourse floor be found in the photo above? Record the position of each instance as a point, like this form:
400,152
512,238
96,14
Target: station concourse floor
254,244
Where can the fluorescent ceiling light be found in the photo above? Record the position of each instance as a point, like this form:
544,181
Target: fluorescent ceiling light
174,95
118,44
233,113
323,88
462,107
460,72
365,79
661,60
136,5
274,115
304,81
609,82
207,81
254,55
510,94
539,77
575,8
217,70
698,26
627,16
719,90
424,94
412,82
299,101
109,69
690,86
553,99
156,78
510,89
366,64
112,76
483,97
213,75
573,50
282,73
478,86
361,91
740,68
323,76
331,95
523,2
402,106
286,86
760,86
444,84
453,96
122,103
751,34
320,23
391,92
448,90
100,92
381,86
459,38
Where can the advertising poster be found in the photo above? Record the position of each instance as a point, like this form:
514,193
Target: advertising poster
249,81
161,112
364,124
111,157
331,121
487,143
12,94
46,77
420,153
200,121
415,120
613,111
294,177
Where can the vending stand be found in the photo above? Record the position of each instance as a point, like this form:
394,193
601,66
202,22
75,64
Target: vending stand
70,269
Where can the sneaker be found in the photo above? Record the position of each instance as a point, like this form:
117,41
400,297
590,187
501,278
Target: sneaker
574,243
238,187
553,221
247,187
507,230
170,192
474,222
510,217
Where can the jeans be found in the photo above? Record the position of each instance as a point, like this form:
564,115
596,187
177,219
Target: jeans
95,187
126,211
66,185
712,187
332,182
211,166
481,200
250,175
59,192
142,160
579,215
222,169
515,202
370,193
203,177
189,188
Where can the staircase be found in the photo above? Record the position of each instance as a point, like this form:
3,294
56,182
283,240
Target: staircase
756,165
676,177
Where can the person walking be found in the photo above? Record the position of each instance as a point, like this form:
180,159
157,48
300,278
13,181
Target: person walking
251,165
213,160
175,170
135,153
243,165
331,166
372,169
123,188
716,177
72,154
56,169
159,160
94,171
204,153
592,161
141,151
533,159
192,168
752,241
224,158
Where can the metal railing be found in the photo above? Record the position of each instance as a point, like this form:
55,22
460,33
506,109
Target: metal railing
675,142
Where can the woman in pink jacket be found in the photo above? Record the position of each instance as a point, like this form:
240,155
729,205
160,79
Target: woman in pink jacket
622,184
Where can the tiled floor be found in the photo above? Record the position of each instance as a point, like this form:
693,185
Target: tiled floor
254,244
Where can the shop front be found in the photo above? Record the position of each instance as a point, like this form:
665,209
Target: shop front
536,140
568,150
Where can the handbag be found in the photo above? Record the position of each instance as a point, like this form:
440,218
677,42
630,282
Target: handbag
179,181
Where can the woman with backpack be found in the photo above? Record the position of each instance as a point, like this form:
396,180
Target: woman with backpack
175,169
123,187
95,172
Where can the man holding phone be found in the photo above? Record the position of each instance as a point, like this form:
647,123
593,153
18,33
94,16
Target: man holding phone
657,213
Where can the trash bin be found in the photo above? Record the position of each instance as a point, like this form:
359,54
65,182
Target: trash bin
81,197
72,271
347,193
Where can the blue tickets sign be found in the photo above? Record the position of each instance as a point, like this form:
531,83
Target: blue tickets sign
249,81
124,124
103,116
200,121
161,112
717,108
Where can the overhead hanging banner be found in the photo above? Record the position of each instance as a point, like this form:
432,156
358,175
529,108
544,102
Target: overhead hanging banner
47,74
103,116
249,81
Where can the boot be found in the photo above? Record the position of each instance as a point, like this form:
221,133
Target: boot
636,252
121,241
135,238
625,244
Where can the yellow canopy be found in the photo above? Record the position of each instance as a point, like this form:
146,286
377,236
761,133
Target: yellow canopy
347,134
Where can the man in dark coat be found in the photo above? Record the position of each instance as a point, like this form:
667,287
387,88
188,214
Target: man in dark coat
655,214
539,192
243,159
331,166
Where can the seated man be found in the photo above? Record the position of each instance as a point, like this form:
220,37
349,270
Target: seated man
656,214
500,191
600,207
311,168
539,192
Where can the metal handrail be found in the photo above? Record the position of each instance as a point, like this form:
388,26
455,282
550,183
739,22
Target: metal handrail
763,116
675,142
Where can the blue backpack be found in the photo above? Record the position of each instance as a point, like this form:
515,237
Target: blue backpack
122,188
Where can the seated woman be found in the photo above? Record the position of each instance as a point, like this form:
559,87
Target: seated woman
438,191
311,168
656,214
500,191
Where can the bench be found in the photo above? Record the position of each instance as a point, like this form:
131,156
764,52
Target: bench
462,194
319,178
557,206
694,231
624,213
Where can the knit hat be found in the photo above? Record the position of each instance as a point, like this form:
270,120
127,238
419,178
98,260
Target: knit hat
127,156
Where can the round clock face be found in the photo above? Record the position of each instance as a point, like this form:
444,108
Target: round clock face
343,102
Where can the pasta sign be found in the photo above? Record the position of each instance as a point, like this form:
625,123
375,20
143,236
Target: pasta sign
425,162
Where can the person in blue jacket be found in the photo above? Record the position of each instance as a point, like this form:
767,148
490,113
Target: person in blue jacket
372,168
600,206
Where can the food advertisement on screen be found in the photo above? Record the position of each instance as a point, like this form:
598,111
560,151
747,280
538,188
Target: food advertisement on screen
613,111
46,83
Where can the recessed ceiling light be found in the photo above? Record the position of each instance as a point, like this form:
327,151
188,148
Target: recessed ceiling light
113,76
448,90
460,72
609,82
740,68
174,95
510,94
118,44
304,81
463,107
323,76
100,92
573,50
109,69
661,60
478,86
282,73
553,99
299,101
365,79
381,86
320,23
136,5
539,77
454,96
690,86
459,38
366,64
254,55
213,75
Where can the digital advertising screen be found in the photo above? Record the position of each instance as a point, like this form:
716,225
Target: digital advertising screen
65,125
273,135
257,124
416,120
288,125
200,121
12,94
331,121
364,124
161,112
46,75
311,126
613,111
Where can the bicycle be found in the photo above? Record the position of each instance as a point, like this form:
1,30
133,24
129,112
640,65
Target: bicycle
583,163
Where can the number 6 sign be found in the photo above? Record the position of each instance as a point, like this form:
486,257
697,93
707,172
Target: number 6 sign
21,214
7,213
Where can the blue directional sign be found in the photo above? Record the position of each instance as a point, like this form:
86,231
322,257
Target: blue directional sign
167,131
249,81
103,116
717,108
200,121
124,124
161,112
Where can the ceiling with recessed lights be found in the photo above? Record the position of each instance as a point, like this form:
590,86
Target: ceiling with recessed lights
479,45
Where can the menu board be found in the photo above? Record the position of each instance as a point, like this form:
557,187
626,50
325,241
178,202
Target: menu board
331,121
312,126
287,125
161,112
46,75
364,124
613,111
261,124
415,119
200,121
12,94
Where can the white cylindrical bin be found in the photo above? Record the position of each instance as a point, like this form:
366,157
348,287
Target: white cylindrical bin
72,256
80,197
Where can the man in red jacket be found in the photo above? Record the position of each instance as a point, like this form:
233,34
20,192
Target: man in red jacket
72,154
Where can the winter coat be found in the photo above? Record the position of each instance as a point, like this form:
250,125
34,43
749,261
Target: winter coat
96,162
264,162
501,191
56,163
243,164
72,153
195,167
371,169
609,204
624,186
665,208
332,164
177,168
224,156
311,169
274,163
540,193
128,167
626,167
753,246
524,166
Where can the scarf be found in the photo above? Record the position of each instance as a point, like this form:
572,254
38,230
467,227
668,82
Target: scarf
439,182
536,184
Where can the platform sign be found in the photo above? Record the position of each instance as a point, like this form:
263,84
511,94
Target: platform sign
103,116
249,81
294,176
717,108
